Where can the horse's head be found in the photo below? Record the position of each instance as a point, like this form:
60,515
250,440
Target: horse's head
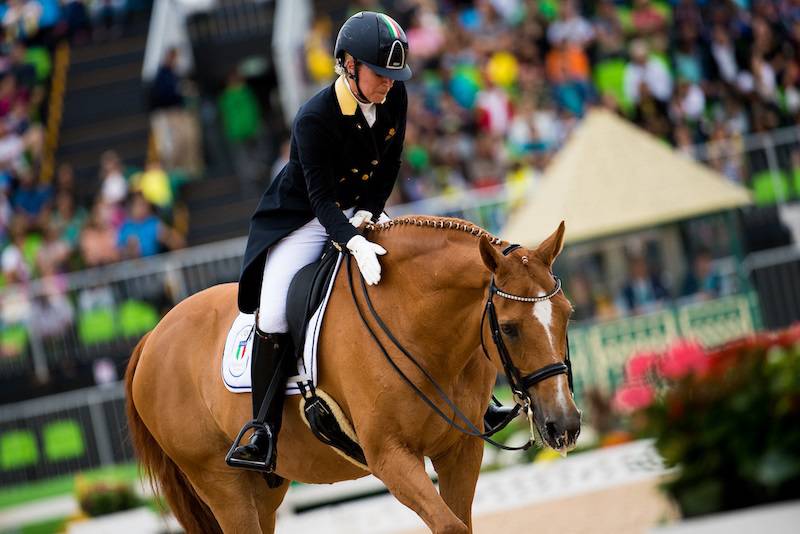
534,332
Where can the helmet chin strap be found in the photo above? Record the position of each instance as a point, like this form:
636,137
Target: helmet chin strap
359,94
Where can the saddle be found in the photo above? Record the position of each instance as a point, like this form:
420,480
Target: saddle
323,416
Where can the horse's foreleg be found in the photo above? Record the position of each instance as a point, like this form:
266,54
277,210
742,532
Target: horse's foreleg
231,496
458,471
268,500
404,475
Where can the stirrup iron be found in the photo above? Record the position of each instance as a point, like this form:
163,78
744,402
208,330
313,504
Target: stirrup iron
267,465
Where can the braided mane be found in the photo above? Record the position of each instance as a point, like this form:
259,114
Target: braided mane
430,221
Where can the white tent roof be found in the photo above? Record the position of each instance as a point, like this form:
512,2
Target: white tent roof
612,177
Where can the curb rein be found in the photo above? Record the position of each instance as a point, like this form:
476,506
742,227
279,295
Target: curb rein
519,384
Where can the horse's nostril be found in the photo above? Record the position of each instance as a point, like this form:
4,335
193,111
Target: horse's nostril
550,428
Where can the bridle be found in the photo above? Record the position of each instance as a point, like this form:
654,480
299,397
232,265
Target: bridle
521,384
518,383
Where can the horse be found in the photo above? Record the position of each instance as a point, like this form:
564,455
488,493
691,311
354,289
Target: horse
440,275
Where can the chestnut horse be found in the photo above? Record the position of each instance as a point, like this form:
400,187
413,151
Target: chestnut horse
436,282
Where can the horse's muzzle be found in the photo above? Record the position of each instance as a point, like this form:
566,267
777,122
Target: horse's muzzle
559,426
562,435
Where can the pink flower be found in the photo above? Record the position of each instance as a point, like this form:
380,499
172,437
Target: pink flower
639,365
683,358
634,397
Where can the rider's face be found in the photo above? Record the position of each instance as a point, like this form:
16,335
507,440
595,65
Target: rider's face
374,87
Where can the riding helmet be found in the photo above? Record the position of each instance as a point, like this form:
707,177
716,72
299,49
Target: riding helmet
376,40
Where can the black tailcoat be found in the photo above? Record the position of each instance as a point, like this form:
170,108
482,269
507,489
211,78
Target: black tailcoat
336,162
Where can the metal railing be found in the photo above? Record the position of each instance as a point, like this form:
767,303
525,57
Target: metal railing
55,323
63,434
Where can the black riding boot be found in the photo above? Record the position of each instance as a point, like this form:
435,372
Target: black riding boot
496,418
269,362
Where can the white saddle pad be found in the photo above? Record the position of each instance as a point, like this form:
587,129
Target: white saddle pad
239,345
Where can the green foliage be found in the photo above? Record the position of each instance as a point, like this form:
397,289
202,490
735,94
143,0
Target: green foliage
102,498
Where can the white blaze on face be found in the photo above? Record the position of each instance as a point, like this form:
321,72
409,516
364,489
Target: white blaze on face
543,311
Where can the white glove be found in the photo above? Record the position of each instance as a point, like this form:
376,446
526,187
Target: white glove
383,218
359,217
366,255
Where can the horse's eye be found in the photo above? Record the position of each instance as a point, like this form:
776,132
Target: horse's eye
509,329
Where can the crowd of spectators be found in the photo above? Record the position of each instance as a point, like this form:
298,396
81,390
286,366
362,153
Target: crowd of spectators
44,230
499,84
50,225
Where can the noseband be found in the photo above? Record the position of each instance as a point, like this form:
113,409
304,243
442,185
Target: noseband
520,384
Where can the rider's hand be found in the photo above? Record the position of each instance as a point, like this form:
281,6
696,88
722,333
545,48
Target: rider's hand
366,255
360,217
383,218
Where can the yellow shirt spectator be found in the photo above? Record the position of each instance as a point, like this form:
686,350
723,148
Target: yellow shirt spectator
154,185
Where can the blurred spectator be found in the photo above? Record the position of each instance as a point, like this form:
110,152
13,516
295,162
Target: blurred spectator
580,294
16,268
53,253
68,219
644,291
144,234
165,92
23,71
646,18
154,186
21,20
76,16
723,56
105,372
570,28
113,185
568,71
609,34
494,111
703,280
6,212
98,239
646,72
65,179
31,199
241,121
9,94
688,103
51,311
177,135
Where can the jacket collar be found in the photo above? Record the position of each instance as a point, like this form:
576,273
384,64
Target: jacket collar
347,102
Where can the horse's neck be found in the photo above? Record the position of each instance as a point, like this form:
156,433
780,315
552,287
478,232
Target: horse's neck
441,282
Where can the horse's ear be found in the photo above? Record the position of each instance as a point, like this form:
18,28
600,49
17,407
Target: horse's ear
551,247
491,258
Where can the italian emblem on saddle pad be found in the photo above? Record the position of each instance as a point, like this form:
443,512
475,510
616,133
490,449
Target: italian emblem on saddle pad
236,358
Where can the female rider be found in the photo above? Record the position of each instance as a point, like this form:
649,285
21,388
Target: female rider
345,156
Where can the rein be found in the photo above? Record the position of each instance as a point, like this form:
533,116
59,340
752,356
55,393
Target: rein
516,381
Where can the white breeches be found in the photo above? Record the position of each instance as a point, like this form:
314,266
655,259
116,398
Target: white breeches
284,259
